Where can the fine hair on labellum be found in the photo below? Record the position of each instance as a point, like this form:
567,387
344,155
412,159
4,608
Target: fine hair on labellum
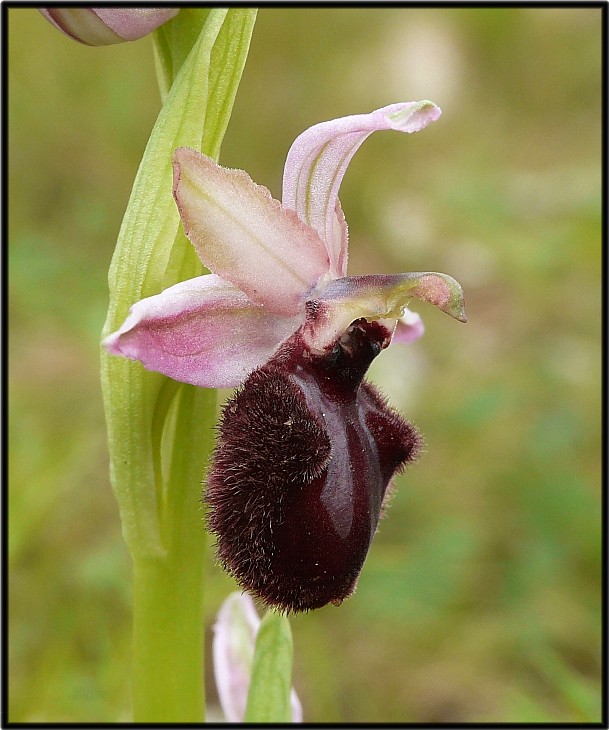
305,454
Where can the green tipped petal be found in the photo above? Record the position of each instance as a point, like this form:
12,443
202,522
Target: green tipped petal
442,290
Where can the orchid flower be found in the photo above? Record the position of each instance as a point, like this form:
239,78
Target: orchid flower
106,26
235,632
307,449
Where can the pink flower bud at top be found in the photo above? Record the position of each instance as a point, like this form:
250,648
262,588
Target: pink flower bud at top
305,455
104,26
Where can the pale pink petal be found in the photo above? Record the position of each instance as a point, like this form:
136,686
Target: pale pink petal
106,26
202,331
409,328
243,235
378,298
234,641
233,652
318,158
134,23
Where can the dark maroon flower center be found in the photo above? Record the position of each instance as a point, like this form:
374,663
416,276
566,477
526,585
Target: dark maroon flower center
305,455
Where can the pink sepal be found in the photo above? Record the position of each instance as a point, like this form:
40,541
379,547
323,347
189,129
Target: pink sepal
202,331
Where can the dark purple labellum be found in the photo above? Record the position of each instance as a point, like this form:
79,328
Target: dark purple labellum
304,458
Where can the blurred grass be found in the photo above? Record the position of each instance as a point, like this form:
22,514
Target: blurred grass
480,600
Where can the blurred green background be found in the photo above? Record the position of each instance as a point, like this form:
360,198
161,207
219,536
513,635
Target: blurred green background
480,600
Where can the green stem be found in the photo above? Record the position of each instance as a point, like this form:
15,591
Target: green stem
168,680
160,434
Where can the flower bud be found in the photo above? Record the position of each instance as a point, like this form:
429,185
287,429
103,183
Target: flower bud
305,455
234,643
104,26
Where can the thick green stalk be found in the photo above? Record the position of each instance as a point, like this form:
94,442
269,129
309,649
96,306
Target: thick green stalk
168,679
160,433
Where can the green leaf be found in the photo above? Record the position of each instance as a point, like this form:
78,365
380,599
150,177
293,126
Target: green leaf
173,41
228,57
268,699
146,261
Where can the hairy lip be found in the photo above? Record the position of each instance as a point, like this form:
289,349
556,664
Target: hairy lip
306,452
